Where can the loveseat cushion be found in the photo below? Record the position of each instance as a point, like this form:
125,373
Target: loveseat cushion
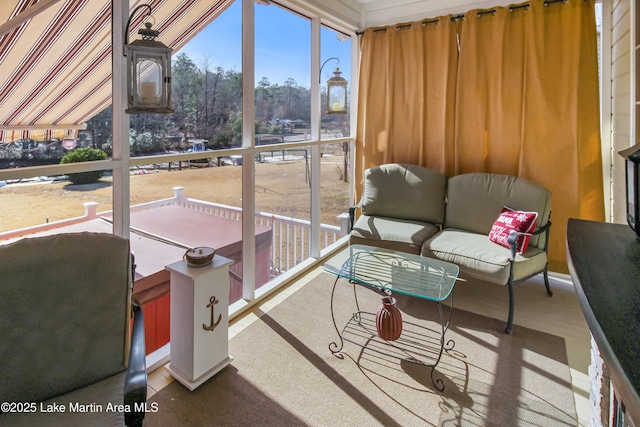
391,233
478,257
476,199
99,404
403,191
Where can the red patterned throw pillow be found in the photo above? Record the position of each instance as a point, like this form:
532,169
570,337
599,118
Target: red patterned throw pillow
510,219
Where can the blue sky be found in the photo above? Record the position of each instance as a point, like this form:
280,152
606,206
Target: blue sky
283,45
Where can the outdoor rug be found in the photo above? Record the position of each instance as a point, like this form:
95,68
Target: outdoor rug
283,373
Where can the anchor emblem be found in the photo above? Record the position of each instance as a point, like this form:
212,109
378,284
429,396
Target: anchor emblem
212,302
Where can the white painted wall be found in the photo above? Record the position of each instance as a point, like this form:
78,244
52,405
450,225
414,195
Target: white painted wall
621,101
369,13
386,12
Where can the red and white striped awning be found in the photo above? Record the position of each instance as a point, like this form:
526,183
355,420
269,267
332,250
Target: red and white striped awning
55,58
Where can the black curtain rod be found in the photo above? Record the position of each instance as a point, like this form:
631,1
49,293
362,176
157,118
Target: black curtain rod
433,21
486,12
522,6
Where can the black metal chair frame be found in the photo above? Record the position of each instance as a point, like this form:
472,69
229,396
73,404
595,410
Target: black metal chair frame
512,239
135,384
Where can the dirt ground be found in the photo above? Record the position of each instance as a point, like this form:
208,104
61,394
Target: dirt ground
281,188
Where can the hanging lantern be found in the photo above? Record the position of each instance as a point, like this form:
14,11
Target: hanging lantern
148,73
337,94
336,91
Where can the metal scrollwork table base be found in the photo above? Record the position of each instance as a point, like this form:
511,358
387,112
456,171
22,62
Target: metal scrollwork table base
386,271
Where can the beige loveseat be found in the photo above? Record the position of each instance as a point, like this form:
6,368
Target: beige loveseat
418,210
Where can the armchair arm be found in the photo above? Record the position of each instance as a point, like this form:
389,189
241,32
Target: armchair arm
352,214
135,387
513,236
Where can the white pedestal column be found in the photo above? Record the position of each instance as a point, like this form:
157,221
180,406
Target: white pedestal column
199,320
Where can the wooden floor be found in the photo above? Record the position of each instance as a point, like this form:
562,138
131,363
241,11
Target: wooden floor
559,315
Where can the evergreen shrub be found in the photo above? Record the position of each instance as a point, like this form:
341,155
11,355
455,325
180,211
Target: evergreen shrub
84,154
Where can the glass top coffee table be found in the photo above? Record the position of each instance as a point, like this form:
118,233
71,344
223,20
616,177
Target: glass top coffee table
387,272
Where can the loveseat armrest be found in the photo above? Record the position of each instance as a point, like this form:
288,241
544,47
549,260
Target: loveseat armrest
135,387
352,217
513,236
352,214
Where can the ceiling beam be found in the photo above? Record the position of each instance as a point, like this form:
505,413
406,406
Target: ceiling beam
19,19
43,127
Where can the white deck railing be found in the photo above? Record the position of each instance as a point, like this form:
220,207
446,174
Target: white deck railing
290,236
289,241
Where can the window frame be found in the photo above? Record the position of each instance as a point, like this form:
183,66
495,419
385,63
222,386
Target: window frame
121,162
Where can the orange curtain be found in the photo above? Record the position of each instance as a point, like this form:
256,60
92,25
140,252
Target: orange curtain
528,106
489,106
407,95
525,103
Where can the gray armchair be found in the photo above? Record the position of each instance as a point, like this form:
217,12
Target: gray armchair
69,354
